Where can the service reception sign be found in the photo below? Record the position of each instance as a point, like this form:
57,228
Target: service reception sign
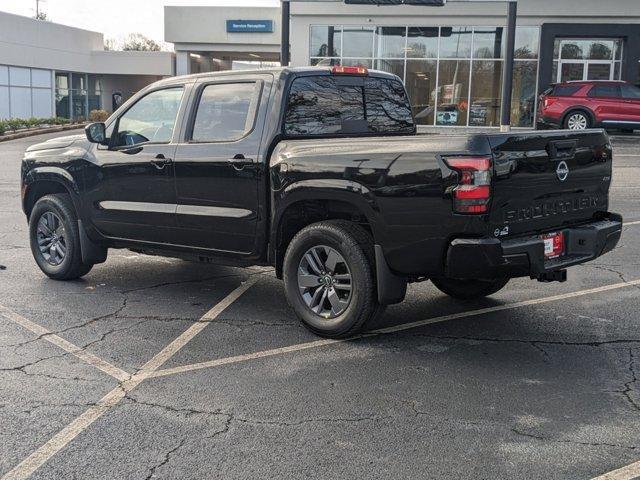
250,26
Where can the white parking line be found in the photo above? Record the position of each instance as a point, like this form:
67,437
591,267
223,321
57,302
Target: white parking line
398,328
65,345
630,472
628,224
34,461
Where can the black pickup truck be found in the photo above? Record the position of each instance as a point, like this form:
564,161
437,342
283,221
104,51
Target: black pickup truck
320,173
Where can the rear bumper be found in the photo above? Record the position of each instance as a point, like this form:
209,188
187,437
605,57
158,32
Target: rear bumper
524,256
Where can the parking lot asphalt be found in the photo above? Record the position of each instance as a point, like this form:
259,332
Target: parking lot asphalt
158,368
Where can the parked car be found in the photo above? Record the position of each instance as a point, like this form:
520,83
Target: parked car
320,173
588,104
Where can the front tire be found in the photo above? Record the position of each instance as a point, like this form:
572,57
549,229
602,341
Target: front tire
329,278
469,289
54,238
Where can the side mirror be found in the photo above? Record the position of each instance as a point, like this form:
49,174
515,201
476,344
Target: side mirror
96,132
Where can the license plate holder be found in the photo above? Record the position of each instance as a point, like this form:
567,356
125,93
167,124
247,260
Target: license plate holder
553,244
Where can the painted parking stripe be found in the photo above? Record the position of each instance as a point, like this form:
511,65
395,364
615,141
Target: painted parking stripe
65,345
34,461
628,224
398,328
629,472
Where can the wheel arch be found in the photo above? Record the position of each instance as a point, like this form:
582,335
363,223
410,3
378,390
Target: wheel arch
303,205
579,108
45,181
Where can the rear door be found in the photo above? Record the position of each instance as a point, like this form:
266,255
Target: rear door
546,181
606,102
218,165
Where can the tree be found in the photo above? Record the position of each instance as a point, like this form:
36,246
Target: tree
110,44
138,42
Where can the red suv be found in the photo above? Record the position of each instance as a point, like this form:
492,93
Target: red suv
586,104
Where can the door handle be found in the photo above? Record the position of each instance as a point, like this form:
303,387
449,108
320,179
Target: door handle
239,161
160,161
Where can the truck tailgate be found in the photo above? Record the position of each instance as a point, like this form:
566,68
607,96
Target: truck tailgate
544,180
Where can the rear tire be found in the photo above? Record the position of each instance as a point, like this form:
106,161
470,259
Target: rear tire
577,120
54,238
329,278
469,289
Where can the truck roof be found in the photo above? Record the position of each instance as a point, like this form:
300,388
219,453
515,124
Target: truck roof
273,70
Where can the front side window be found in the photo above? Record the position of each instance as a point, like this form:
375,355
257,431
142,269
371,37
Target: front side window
151,119
226,112
329,105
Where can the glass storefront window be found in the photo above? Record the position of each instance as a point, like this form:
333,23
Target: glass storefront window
326,41
390,42
422,42
421,86
357,62
488,42
357,41
527,42
453,75
486,90
455,42
523,102
392,66
62,95
453,92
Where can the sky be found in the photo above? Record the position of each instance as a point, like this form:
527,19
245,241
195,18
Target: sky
116,18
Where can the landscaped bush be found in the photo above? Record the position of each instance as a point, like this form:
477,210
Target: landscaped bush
98,115
14,124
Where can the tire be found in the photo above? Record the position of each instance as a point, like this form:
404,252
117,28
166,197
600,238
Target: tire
469,289
577,120
64,260
319,259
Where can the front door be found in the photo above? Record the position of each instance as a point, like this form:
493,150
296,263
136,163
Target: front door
218,166
132,188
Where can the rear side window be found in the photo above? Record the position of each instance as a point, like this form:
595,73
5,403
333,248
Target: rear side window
606,91
342,105
226,112
629,91
565,90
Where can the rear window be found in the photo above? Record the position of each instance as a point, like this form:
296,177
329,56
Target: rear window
346,105
565,90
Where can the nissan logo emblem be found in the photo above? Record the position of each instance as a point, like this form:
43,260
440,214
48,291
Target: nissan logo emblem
562,171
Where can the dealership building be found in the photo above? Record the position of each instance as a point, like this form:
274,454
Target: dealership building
48,70
451,58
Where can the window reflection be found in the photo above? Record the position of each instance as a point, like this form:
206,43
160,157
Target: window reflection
455,42
453,92
486,90
422,42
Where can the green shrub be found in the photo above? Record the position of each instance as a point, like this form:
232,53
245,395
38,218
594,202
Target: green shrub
15,124
98,115
61,121
3,127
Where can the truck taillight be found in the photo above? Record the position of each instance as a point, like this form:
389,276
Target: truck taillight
472,193
340,70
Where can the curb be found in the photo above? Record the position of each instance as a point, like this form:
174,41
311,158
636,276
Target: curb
40,131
